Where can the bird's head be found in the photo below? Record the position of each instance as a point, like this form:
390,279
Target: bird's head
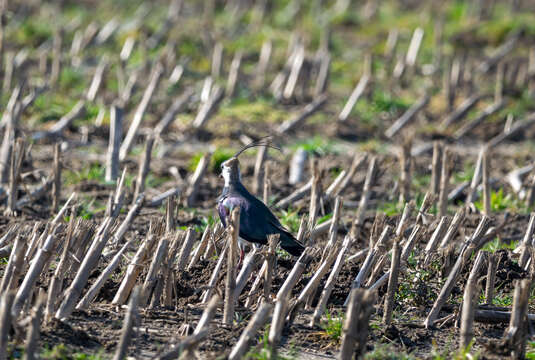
230,169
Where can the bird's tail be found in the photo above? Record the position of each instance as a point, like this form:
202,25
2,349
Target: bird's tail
290,244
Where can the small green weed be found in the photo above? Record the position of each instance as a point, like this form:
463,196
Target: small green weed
503,300
454,354
83,356
33,33
387,352
94,172
70,80
290,219
530,353
153,181
61,352
58,352
205,220
325,218
500,202
262,350
218,157
333,326
381,105
464,175
421,182
88,208
497,244
391,208
50,107
281,253
316,145
260,110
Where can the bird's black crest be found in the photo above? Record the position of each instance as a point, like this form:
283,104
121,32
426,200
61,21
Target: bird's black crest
265,141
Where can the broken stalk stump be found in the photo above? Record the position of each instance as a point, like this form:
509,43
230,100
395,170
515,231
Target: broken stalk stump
407,117
445,174
329,284
476,178
271,258
258,177
354,97
114,142
297,166
144,167
277,324
133,269
473,244
258,320
491,278
37,266
128,325
88,264
455,224
6,302
103,277
230,283
199,250
183,349
294,275
32,337
266,193
249,264
526,245
392,284
373,255
151,278
215,275
428,201
140,111
405,178
333,228
435,167
208,108
185,250
517,333
469,304
56,283
14,265
315,194
432,244
17,156
56,186
314,282
365,198
305,113
196,178
486,185
356,325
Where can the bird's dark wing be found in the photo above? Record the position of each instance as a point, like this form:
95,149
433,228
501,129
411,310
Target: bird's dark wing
256,221
249,227
222,211
263,223
287,240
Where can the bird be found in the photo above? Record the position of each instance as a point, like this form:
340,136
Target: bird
257,221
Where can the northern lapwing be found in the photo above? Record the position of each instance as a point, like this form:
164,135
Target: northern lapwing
256,219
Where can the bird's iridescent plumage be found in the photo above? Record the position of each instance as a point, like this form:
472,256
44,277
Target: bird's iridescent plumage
256,219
